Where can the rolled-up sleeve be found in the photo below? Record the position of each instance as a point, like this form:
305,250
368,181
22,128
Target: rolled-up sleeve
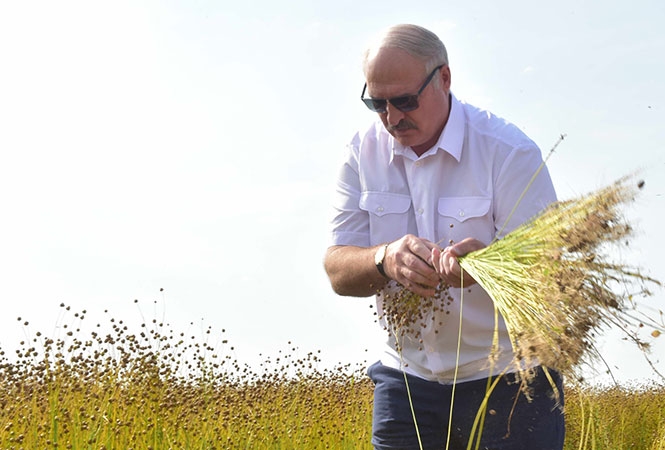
349,224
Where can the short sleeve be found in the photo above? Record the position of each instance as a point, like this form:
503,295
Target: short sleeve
349,224
523,188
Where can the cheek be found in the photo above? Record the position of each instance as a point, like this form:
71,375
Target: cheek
384,119
429,119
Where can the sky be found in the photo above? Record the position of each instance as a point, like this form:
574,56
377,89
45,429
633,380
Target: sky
183,154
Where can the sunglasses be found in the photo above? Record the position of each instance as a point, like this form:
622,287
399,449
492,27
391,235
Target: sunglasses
404,103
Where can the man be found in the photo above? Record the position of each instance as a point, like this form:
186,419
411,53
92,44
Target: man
431,180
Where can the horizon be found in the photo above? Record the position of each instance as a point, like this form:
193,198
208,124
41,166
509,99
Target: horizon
193,148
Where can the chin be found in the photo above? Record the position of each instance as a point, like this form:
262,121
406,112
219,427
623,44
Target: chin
406,141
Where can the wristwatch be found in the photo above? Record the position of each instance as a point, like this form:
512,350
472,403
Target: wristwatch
379,258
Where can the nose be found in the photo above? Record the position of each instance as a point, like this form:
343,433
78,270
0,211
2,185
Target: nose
393,115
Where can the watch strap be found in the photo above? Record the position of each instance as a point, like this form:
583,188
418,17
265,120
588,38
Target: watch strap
379,260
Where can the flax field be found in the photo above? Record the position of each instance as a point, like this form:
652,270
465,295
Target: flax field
157,388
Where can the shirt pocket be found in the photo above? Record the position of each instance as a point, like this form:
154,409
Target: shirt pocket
463,217
388,215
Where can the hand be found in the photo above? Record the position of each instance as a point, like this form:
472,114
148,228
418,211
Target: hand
446,264
409,262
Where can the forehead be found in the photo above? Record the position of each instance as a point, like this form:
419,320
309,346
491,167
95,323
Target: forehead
391,72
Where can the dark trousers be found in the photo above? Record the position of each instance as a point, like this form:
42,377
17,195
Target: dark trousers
512,421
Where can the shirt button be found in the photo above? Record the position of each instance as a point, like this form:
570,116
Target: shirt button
461,213
421,211
379,209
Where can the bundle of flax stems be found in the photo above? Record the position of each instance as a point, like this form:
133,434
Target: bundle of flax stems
556,284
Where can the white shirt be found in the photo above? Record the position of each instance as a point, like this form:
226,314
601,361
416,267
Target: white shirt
466,185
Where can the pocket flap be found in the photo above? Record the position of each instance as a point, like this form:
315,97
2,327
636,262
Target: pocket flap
463,208
382,203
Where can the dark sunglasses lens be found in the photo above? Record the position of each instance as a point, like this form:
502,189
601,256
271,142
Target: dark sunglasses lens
406,103
376,105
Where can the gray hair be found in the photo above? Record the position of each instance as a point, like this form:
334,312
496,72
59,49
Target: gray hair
417,41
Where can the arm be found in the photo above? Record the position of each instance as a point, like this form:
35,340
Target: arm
352,270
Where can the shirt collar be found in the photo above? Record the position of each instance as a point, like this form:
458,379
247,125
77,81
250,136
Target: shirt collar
451,139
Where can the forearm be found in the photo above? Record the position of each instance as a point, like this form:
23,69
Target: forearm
352,271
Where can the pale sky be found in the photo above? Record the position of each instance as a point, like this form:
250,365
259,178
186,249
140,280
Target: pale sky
192,146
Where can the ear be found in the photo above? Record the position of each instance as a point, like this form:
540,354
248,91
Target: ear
444,73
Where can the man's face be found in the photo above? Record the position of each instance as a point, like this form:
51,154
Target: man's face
393,73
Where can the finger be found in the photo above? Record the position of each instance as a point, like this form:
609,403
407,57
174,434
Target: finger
419,277
450,269
449,260
456,274
416,283
418,260
436,259
421,290
465,246
424,275
423,250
